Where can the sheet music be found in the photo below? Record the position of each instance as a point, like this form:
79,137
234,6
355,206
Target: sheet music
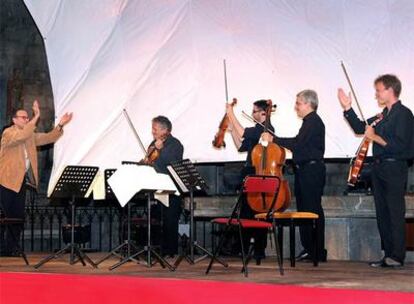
98,186
130,179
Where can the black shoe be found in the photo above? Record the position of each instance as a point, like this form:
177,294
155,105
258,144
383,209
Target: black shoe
376,264
303,256
386,263
259,258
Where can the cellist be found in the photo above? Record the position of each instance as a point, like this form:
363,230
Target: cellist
308,148
393,145
245,139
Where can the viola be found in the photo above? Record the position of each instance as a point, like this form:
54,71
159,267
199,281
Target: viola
269,160
218,141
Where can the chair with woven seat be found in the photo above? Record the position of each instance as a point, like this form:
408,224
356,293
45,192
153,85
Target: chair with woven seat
251,184
291,220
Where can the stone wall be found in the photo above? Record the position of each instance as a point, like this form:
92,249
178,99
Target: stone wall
24,74
351,231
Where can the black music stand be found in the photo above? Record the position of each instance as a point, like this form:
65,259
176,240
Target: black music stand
188,179
75,182
148,249
123,249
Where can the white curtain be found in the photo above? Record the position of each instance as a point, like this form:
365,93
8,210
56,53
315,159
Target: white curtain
165,57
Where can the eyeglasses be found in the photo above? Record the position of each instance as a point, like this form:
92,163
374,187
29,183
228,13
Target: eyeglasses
22,117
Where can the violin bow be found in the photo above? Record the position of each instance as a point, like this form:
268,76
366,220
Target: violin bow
353,92
256,121
134,131
225,80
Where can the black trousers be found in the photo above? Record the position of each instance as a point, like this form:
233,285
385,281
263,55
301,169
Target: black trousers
170,220
389,180
12,204
309,184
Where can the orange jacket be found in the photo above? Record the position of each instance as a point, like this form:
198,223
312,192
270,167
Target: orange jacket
12,158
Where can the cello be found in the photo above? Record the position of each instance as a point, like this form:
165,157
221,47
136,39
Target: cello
269,160
356,163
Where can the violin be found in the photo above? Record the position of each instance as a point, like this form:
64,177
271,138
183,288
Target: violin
358,160
269,160
152,154
218,141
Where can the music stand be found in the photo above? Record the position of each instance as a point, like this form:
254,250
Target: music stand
148,249
188,179
124,249
74,182
126,183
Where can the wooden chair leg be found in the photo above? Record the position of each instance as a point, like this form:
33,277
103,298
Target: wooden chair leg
278,255
280,239
292,242
315,239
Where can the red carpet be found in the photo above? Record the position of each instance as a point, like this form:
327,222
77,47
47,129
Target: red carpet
61,288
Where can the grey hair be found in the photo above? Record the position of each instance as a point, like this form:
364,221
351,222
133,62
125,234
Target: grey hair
309,96
164,122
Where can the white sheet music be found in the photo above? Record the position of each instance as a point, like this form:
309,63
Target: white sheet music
131,179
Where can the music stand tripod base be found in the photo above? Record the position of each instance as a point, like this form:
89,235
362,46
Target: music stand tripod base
186,176
148,251
74,182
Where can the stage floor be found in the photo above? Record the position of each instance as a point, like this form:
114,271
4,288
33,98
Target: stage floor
333,274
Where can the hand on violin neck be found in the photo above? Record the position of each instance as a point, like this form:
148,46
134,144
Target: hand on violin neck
344,99
159,144
370,133
267,137
229,108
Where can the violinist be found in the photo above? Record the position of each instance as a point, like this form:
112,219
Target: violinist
245,139
167,149
308,148
393,145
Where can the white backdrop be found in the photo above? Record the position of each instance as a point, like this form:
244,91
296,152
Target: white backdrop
164,57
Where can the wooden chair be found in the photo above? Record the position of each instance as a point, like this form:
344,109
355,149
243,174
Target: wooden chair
292,220
251,184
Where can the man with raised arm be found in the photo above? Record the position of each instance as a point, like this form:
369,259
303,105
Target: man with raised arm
18,165
393,146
